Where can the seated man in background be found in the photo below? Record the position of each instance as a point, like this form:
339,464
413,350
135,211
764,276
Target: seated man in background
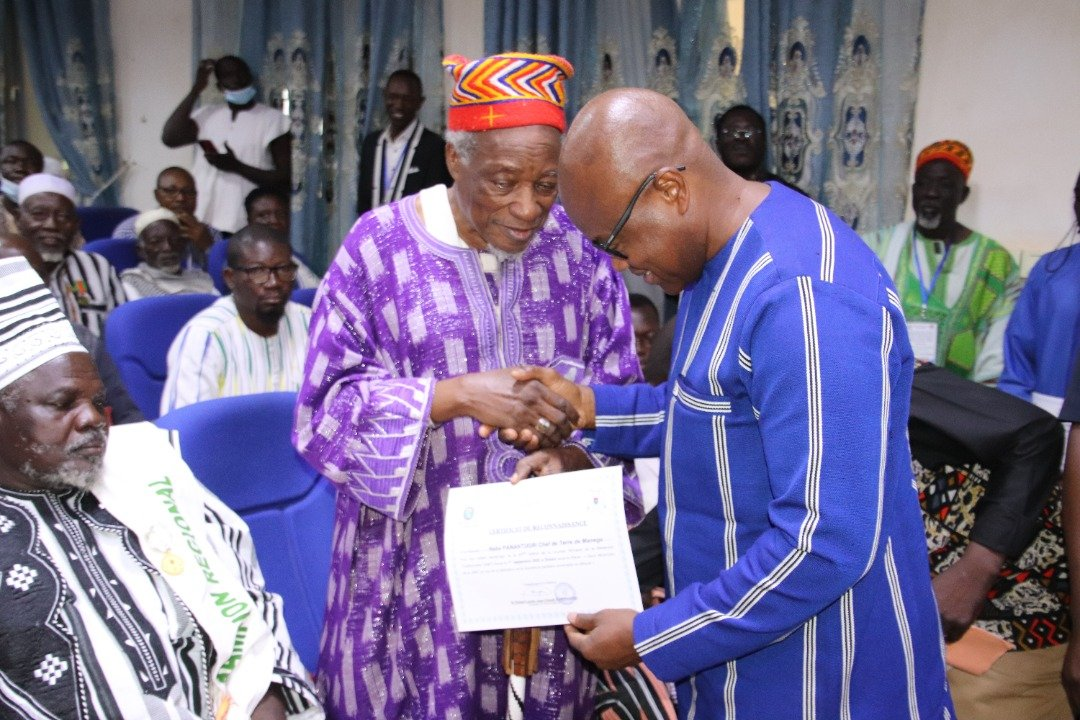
163,249
119,407
986,464
957,286
47,219
646,320
268,206
1043,336
18,159
252,341
130,591
175,190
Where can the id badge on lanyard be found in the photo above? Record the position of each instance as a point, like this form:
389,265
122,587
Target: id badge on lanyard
923,332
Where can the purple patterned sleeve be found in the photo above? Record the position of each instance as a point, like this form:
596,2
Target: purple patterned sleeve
357,421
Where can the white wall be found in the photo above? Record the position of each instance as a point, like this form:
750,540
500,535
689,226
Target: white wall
152,52
1002,77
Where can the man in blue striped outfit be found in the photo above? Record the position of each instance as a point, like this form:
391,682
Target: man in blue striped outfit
793,540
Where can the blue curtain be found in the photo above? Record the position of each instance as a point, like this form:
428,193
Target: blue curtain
838,79
285,43
69,52
324,64
709,79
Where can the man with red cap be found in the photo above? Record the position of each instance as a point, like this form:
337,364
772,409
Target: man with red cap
958,287
428,303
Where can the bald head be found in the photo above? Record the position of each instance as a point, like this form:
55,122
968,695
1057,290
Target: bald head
622,135
630,140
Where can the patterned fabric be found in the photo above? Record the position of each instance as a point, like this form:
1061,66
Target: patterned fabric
952,151
94,285
404,305
145,281
971,301
508,90
216,355
792,536
1029,603
1043,335
33,330
91,630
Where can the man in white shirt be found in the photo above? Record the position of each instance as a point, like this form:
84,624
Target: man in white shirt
244,143
252,341
405,157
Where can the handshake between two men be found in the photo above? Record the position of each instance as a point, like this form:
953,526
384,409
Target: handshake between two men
532,408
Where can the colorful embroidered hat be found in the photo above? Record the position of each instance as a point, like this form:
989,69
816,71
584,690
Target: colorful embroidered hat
953,151
507,90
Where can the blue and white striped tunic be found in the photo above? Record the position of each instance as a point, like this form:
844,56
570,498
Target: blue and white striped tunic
791,524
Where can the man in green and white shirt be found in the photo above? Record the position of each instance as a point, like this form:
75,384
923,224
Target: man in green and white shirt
957,286
252,341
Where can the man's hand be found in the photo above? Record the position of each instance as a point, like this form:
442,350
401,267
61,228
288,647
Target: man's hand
962,587
606,638
565,458
196,232
498,400
224,161
203,73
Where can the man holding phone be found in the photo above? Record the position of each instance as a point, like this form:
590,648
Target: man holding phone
245,144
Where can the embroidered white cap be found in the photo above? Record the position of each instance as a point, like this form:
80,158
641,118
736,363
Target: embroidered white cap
33,330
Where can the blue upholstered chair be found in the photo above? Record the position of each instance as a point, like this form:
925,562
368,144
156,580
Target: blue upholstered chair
241,449
138,335
120,252
304,296
99,222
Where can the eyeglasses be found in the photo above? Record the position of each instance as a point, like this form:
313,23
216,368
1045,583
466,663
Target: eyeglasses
174,191
743,134
606,245
260,274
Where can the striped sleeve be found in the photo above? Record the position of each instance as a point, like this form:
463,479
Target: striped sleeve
629,420
821,381
229,536
196,363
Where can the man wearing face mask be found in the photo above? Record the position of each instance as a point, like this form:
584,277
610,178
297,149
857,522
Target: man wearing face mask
244,144
958,287
18,159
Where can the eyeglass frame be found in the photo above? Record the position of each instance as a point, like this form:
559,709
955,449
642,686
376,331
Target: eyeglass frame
276,270
175,191
741,133
625,217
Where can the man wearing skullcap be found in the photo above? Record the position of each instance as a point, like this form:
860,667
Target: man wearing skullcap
129,591
47,219
957,286
175,190
429,300
163,250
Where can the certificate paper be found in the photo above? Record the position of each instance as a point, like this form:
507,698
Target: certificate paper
526,555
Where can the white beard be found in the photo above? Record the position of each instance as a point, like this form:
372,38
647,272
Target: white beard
52,257
929,222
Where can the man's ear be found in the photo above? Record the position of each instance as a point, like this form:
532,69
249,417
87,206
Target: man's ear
453,161
228,276
672,186
964,194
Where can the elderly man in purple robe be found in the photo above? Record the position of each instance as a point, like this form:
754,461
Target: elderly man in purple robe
428,303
